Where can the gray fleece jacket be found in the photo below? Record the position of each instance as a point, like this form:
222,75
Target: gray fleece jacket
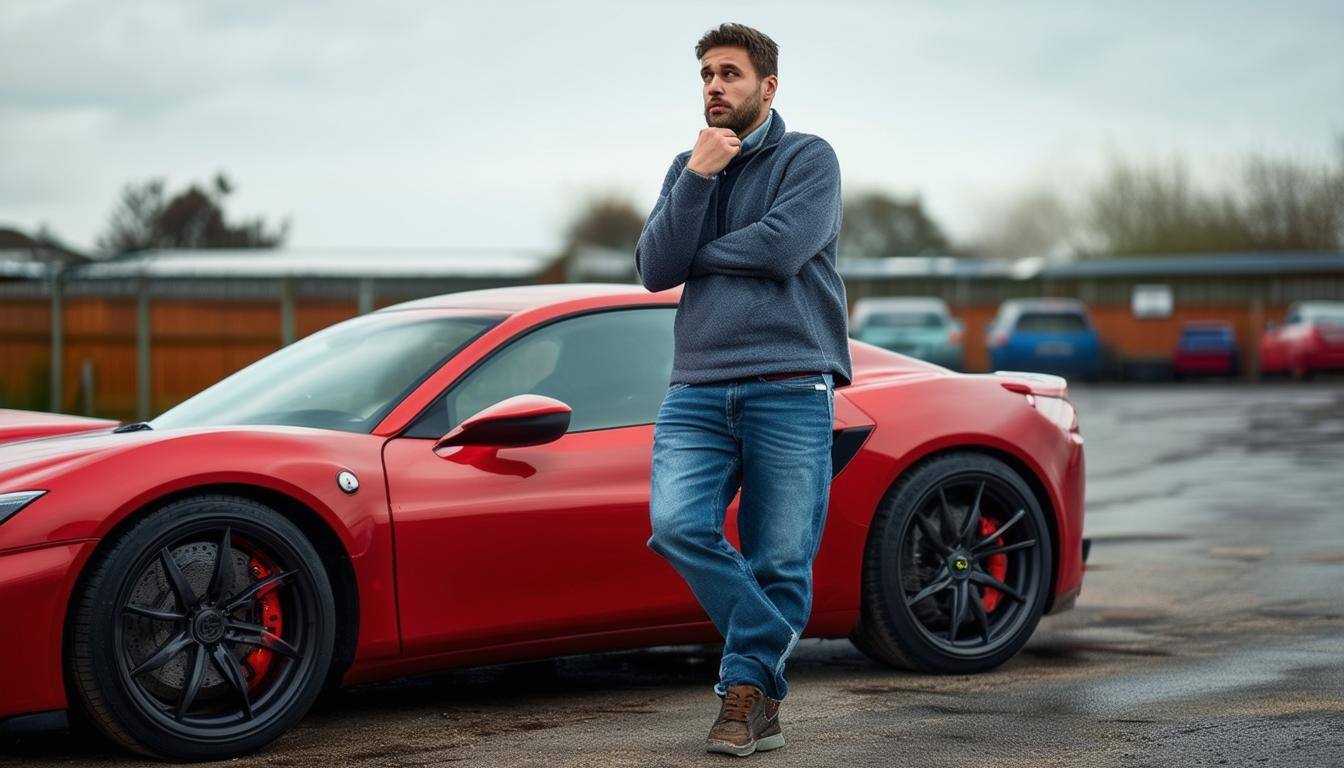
765,297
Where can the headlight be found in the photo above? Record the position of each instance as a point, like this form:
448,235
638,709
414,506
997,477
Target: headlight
13,502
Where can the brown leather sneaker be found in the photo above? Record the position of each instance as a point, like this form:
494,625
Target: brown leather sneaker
748,721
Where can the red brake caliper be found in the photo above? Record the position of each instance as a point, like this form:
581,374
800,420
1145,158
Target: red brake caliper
996,565
259,659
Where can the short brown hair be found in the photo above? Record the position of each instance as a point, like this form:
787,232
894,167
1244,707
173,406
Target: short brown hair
762,51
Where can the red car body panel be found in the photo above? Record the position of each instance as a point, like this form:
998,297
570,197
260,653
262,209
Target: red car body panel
34,585
479,555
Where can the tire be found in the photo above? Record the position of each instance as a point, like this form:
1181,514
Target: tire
175,657
1001,572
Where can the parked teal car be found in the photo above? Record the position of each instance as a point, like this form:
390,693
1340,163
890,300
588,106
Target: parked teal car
917,326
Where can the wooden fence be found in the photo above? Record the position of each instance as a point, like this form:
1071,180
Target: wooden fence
196,342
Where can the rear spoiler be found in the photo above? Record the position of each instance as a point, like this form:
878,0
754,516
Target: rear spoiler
1031,383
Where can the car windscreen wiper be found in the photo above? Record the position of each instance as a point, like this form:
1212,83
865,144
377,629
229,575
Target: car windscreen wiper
136,427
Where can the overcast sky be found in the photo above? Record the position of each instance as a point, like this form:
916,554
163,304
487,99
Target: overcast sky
437,123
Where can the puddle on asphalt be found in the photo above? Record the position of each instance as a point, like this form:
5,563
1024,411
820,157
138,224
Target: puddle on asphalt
1234,670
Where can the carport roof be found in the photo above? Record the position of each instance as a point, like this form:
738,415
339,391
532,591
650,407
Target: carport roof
1033,267
323,262
1219,264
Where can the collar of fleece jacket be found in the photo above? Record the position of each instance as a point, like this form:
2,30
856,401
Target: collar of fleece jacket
757,136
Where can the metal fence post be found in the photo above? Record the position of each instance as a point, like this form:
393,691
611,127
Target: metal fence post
1252,358
365,295
57,336
142,350
286,311
86,385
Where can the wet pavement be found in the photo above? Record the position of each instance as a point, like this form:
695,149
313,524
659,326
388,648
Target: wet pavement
1210,631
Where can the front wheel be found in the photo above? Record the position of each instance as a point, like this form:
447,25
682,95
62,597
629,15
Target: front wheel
204,632
956,569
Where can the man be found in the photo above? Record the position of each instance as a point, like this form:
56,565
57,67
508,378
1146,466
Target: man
748,219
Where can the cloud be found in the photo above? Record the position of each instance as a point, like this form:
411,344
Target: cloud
443,123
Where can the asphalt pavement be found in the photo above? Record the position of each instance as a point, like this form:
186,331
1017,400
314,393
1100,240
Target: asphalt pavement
1210,631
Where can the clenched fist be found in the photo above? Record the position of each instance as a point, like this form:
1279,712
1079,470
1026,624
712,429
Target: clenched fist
714,148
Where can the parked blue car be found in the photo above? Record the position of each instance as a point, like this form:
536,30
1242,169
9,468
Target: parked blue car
1047,336
1206,348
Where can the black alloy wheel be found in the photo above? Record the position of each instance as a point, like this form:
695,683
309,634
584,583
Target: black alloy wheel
957,567
205,631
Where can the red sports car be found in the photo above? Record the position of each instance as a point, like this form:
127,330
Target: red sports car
464,479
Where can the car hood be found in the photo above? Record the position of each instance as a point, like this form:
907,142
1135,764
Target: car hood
40,456
24,425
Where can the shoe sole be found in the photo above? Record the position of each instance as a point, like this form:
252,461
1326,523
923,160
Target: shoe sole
770,742
763,744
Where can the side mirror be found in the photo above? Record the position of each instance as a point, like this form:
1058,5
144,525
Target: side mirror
517,421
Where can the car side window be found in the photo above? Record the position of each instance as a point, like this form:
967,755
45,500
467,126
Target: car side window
611,368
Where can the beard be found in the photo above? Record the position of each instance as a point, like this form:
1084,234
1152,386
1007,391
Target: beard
737,119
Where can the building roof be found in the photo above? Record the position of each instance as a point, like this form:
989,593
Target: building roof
1219,264
19,264
17,246
600,264
1032,267
323,262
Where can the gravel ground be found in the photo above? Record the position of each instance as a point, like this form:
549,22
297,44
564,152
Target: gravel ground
1210,631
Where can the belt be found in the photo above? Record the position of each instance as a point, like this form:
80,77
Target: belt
769,376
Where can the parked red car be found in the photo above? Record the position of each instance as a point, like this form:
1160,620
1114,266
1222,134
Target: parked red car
1310,340
463,480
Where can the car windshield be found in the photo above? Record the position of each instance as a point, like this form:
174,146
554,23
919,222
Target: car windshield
905,320
1051,322
346,377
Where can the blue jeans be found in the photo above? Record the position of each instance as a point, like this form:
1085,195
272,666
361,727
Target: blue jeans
774,439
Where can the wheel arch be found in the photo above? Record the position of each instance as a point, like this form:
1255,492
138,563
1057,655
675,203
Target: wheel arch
1021,468
335,559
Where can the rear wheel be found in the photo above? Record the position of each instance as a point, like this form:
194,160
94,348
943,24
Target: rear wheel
205,631
956,569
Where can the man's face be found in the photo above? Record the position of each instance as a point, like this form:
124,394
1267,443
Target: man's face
734,96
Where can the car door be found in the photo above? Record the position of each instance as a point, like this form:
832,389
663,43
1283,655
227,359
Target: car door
523,543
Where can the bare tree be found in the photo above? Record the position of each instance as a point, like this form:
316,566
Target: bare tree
1278,204
194,218
876,224
607,220
1158,206
1295,206
1037,222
